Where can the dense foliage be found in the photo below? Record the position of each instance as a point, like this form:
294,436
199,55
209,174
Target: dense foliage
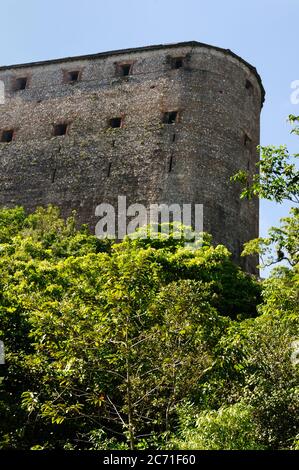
107,344
146,342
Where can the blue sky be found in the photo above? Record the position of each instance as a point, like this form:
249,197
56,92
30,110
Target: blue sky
264,32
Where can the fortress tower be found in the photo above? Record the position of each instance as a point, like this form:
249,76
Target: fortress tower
158,124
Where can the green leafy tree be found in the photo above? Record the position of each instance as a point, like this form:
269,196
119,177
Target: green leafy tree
277,180
105,341
263,347
228,428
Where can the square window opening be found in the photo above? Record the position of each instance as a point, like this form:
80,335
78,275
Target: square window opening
177,62
60,129
7,136
170,117
73,76
115,123
125,70
21,83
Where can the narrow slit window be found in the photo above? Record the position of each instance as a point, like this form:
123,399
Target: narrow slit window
21,83
170,117
115,122
73,76
53,175
60,129
247,141
177,62
7,136
248,85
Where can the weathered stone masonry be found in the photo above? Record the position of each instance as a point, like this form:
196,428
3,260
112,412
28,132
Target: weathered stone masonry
214,99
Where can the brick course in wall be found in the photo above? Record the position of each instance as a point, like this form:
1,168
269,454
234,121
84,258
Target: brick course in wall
217,97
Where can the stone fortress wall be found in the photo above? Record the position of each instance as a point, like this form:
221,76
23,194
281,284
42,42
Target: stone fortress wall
158,124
